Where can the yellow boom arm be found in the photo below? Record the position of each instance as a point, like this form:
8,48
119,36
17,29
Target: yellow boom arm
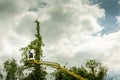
57,66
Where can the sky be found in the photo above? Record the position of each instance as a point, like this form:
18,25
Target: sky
73,31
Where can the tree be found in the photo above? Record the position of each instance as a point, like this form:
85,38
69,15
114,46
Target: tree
1,76
37,73
10,67
96,70
93,70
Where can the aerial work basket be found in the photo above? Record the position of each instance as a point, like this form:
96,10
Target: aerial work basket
31,55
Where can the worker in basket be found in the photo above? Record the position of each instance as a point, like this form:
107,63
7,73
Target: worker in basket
31,57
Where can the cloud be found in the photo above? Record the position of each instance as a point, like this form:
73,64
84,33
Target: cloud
119,2
66,18
104,48
11,8
118,19
8,11
69,26
26,26
64,21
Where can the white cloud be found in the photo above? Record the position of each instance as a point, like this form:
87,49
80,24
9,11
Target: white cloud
119,2
70,18
75,51
118,19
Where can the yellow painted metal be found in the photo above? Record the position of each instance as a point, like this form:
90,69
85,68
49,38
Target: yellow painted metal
57,66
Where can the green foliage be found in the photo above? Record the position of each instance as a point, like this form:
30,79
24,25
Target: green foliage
32,75
37,73
93,70
96,70
1,76
13,70
10,67
59,75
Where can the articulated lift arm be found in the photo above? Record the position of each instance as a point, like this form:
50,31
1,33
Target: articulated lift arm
57,66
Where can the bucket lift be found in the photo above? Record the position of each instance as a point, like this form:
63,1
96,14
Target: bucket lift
53,65
31,55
